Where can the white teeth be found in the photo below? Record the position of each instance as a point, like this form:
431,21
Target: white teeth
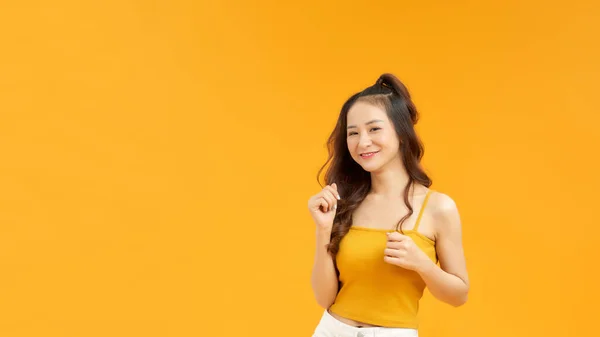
368,154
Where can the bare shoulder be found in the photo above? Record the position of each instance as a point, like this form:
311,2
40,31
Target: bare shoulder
442,203
444,211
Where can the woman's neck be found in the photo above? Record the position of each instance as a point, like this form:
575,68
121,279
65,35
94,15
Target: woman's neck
390,181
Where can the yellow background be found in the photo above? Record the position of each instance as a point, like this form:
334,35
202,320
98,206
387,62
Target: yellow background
157,157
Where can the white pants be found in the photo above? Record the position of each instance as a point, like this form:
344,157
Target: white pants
329,326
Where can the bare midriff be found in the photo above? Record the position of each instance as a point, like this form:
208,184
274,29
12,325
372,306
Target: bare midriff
351,322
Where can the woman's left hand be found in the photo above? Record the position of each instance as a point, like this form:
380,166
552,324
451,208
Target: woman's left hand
402,251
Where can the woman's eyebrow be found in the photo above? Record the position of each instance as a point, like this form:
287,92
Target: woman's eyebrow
367,123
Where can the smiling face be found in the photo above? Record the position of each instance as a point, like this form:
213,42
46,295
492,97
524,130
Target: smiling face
371,137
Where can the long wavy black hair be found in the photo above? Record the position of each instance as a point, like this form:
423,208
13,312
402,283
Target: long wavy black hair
353,182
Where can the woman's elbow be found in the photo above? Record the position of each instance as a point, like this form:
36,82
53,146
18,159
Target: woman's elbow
324,303
325,300
461,299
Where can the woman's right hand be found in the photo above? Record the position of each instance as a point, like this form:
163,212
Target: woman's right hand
323,206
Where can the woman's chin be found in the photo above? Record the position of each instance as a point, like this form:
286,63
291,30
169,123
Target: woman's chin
370,167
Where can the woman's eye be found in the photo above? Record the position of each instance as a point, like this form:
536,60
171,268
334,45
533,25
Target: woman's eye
373,129
351,133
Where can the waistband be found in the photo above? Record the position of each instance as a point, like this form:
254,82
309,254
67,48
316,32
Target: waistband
343,329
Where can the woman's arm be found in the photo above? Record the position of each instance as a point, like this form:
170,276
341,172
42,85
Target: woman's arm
449,282
324,278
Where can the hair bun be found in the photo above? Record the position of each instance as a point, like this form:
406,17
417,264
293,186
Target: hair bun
386,81
391,81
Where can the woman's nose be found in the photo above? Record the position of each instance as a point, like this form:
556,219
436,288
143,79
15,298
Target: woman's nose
364,141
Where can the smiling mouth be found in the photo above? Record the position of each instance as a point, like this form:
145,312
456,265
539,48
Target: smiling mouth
368,154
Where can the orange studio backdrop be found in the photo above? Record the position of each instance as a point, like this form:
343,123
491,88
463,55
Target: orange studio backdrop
158,156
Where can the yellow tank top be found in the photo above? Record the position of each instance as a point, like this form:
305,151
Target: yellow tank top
373,291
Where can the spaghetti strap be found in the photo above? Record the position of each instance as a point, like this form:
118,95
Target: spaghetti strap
421,211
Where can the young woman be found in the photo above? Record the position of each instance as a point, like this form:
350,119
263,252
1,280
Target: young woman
380,230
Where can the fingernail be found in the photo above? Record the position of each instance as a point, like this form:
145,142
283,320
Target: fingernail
339,197
334,206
